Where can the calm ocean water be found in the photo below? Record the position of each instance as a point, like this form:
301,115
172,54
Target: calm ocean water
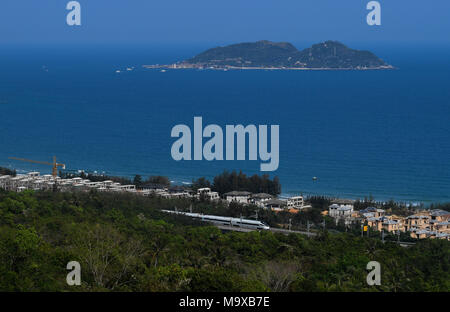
379,133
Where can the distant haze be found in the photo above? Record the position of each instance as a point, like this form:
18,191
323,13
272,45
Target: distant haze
222,22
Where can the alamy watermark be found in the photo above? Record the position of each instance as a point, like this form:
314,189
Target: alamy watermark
374,276
74,16
74,276
235,143
374,16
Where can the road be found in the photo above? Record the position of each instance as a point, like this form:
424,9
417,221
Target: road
287,232
275,230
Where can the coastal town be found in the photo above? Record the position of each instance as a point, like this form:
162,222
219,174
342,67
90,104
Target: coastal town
433,223
35,181
205,66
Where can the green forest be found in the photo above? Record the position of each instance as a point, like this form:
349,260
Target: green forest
233,181
125,243
6,171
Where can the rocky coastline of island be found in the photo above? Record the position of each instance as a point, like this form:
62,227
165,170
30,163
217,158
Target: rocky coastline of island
267,55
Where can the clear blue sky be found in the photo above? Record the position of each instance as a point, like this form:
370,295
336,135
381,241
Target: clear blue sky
224,21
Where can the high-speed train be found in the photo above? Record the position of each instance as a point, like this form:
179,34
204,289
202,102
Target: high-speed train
238,222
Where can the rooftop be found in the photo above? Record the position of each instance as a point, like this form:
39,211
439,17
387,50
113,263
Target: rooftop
261,196
439,212
275,202
343,201
237,193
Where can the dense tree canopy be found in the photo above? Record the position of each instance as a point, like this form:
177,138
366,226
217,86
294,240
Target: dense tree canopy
6,171
227,182
124,243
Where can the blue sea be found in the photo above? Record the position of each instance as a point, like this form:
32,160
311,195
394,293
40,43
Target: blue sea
384,134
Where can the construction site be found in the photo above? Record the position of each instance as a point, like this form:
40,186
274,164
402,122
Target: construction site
36,181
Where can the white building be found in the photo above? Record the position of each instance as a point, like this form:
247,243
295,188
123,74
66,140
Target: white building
241,197
344,202
337,211
207,193
276,204
260,199
295,202
342,210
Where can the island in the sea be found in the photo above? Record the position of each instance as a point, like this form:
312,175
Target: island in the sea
328,55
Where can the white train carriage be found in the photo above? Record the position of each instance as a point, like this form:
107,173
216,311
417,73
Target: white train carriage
238,222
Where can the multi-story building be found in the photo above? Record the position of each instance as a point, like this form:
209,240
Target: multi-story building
341,211
207,194
295,202
276,204
426,224
260,199
416,221
241,197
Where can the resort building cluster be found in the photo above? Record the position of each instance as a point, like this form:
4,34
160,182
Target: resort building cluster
261,200
424,224
34,181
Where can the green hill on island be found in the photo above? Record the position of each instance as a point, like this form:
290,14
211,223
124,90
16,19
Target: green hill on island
267,54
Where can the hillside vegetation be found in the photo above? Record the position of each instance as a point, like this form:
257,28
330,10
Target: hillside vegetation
264,53
124,243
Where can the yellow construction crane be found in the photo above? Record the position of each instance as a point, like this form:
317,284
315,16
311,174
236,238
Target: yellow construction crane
54,165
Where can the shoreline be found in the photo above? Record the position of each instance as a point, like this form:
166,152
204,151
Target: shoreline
226,68
289,192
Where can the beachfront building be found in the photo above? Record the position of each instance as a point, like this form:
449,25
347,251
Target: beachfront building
295,202
207,194
438,215
241,197
375,223
390,225
371,212
178,191
425,224
344,203
340,212
276,204
129,188
419,234
416,221
384,224
342,209
439,226
442,236
34,181
260,199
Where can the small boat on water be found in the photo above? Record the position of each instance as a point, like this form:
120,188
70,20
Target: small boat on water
314,178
